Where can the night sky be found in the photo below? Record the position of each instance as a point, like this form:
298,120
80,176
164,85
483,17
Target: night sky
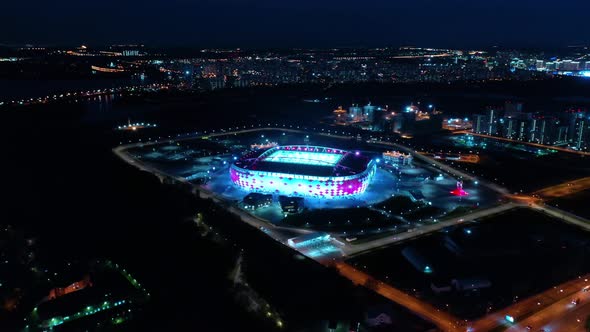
302,23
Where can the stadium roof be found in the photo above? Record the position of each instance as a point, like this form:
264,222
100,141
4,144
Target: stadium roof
316,161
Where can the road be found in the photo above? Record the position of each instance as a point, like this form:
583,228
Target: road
192,136
121,152
356,249
463,158
443,320
564,189
558,313
573,320
551,308
526,143
563,215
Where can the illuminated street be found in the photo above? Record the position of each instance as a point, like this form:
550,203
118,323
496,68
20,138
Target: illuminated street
443,320
463,158
556,312
550,309
564,189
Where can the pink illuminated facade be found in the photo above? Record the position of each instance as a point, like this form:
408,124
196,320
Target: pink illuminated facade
304,171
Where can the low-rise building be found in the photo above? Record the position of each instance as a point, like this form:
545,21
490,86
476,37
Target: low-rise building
255,201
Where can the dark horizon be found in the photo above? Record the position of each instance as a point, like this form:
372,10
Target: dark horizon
305,24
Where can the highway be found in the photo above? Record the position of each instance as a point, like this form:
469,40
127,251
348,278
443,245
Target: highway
564,189
461,158
571,321
563,215
443,320
76,95
189,136
557,313
550,308
558,148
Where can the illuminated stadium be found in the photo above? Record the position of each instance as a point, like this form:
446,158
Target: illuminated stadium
302,170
